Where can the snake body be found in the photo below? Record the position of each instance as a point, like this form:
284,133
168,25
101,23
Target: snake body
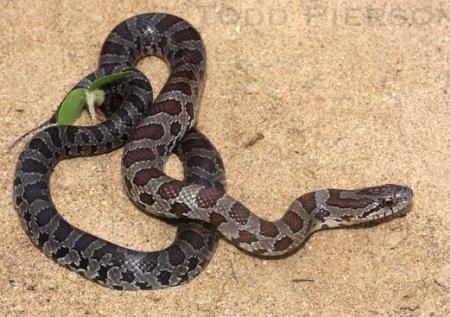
167,127
96,259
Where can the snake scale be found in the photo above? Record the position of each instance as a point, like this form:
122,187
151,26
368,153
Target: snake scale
151,131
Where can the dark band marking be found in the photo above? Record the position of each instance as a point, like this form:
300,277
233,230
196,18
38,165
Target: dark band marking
143,176
151,131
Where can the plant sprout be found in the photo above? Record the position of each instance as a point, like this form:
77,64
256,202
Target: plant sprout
92,96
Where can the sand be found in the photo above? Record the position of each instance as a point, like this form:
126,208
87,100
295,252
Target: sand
300,95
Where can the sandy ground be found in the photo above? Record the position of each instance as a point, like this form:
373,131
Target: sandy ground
300,95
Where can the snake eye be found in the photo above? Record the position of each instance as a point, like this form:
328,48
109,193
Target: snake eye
387,202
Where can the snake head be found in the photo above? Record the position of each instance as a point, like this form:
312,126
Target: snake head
387,200
349,207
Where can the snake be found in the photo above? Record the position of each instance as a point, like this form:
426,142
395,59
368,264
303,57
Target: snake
198,204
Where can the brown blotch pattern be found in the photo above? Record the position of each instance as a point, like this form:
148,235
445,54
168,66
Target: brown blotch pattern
189,145
179,209
239,213
268,229
283,244
207,197
246,237
143,176
308,202
216,219
172,107
190,56
294,221
166,23
186,35
146,198
150,131
205,163
138,155
337,201
170,189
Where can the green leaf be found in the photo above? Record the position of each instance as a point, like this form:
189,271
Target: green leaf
108,79
71,107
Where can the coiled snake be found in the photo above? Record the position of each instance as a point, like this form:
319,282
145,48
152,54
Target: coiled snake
199,201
